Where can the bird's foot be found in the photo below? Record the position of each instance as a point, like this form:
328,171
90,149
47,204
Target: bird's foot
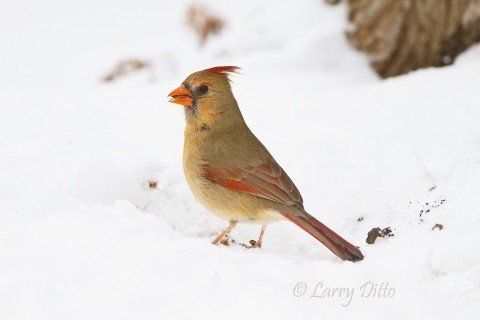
252,244
224,234
227,241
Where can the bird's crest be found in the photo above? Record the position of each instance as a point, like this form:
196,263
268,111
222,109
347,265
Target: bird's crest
223,70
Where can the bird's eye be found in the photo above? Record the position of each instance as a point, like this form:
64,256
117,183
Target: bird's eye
202,89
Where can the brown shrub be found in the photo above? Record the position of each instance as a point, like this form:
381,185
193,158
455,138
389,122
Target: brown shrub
203,22
125,67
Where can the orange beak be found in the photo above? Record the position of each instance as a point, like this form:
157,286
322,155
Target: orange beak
181,96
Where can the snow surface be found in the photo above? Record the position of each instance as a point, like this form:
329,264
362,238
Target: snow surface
82,236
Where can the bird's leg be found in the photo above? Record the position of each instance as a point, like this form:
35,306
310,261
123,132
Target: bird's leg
259,242
222,235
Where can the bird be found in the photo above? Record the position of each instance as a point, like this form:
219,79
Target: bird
231,173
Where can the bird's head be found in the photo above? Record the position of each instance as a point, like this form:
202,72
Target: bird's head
207,95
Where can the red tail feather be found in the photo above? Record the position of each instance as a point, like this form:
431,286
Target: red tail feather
341,247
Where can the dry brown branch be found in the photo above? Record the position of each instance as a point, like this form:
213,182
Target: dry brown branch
203,22
123,68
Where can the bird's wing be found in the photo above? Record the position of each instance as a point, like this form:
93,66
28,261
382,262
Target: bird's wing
266,180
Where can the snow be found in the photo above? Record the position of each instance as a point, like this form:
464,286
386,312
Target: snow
83,236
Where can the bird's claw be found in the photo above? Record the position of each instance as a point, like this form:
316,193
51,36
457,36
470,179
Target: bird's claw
252,245
227,241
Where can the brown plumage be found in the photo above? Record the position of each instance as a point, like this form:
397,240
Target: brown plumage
229,170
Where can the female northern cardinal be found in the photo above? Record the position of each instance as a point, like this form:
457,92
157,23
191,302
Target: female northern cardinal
229,170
